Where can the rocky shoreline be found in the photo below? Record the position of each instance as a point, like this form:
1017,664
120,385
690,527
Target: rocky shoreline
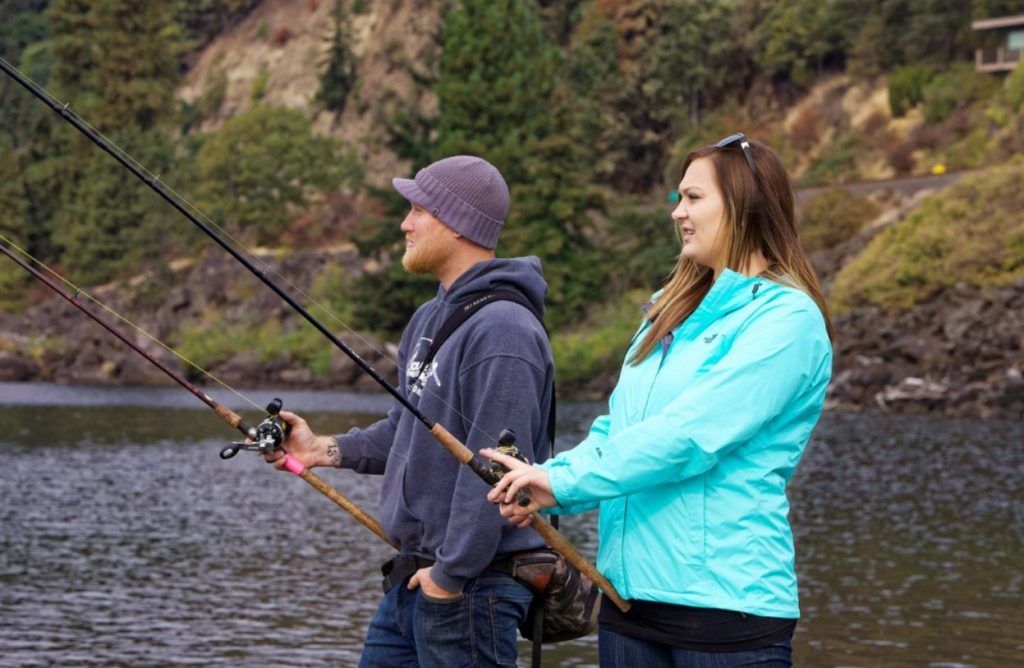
960,353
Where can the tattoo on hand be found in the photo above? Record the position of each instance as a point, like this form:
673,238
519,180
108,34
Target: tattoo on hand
334,453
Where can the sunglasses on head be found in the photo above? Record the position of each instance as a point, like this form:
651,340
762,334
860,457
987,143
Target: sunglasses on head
744,144
673,197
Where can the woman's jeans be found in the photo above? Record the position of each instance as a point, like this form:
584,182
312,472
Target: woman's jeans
477,629
619,650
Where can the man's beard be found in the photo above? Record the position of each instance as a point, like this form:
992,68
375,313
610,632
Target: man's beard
426,256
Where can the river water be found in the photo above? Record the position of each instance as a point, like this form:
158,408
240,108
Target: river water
126,541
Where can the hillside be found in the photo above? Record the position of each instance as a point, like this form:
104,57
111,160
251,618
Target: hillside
583,106
285,44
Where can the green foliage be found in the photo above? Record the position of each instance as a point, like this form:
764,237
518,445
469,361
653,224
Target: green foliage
833,216
599,345
215,342
14,284
642,245
906,87
957,88
972,233
116,63
122,55
22,23
382,301
930,31
497,71
23,38
107,222
339,77
14,226
262,166
599,88
1014,89
202,20
800,36
331,293
74,52
216,88
259,84
835,165
500,99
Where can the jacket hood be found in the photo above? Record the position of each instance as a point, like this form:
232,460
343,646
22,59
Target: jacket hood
523,274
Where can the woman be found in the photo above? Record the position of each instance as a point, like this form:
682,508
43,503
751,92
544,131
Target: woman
720,390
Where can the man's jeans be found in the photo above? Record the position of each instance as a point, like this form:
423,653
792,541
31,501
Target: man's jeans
477,629
619,650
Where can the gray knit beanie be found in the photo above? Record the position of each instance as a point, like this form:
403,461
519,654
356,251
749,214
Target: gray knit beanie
466,193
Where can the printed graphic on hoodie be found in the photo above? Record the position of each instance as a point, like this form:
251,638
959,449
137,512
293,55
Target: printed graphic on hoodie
417,375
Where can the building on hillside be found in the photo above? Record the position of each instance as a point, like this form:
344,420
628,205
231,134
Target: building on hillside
1006,43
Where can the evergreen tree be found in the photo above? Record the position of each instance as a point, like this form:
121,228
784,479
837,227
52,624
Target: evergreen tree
500,99
498,69
73,27
115,62
339,78
138,67
599,89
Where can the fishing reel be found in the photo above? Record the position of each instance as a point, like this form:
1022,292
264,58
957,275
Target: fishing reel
267,436
506,446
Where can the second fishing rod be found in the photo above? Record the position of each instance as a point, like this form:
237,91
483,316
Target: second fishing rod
264,437
551,535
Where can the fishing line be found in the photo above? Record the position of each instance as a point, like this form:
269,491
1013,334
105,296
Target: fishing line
204,222
457,449
79,291
264,438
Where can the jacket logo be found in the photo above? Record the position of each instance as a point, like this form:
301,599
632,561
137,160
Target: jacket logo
709,339
417,373
424,375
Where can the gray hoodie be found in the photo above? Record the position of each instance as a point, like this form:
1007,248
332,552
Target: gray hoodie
494,372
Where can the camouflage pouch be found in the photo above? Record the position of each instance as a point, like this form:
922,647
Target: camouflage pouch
565,602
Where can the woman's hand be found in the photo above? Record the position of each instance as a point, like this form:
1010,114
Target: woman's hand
304,446
520,476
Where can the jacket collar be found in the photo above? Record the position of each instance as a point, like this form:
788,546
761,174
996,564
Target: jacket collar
730,291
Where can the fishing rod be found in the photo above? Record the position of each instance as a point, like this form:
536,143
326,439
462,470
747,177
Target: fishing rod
264,437
488,474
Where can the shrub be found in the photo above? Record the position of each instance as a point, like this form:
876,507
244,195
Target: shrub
259,85
261,168
906,87
836,164
600,344
971,233
955,89
832,216
1014,88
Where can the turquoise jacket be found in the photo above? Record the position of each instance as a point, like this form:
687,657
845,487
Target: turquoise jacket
689,467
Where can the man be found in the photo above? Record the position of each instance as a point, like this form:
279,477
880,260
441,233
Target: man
449,599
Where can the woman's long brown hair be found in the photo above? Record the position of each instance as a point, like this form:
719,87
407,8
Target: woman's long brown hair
760,215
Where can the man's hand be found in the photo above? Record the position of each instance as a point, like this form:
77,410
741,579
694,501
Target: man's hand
421,579
520,476
304,446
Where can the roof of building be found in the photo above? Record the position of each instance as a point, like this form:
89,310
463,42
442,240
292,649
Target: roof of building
999,22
